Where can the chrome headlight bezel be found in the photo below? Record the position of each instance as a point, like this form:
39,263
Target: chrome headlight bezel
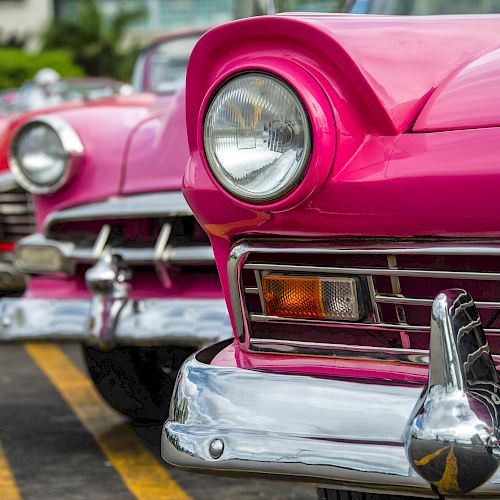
70,142
299,173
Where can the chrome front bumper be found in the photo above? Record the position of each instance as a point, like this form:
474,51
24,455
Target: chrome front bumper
350,435
177,322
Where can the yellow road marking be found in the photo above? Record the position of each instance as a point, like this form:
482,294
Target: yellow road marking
8,487
428,458
449,481
144,476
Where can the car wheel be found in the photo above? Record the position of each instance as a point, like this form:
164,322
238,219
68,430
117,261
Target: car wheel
327,494
136,381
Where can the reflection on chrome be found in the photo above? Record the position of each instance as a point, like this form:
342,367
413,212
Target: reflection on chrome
452,439
325,431
109,281
350,435
172,322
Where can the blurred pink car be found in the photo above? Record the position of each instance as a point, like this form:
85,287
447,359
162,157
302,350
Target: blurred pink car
118,260
16,107
347,170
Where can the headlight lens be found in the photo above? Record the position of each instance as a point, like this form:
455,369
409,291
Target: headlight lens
43,154
257,137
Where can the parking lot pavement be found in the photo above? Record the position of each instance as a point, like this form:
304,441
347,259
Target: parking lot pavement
58,439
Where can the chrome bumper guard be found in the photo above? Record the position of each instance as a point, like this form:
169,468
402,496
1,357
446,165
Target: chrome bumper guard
350,435
181,322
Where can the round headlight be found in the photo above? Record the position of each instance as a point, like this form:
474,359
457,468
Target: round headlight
257,137
43,153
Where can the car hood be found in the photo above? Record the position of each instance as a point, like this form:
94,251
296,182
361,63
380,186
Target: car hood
106,129
158,150
392,63
468,99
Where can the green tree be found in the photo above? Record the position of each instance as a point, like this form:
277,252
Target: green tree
249,8
94,40
310,5
18,66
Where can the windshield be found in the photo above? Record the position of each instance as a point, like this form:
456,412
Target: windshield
34,96
423,7
169,63
8,99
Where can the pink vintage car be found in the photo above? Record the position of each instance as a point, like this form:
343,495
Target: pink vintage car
347,171
118,260
17,107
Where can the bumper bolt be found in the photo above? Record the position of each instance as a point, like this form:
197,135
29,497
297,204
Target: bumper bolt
216,448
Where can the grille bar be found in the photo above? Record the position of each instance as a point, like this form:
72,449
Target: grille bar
407,301
415,273
354,326
400,284
16,213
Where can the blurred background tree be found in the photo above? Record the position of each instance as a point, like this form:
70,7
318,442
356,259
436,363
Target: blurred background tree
95,41
310,5
247,8
18,66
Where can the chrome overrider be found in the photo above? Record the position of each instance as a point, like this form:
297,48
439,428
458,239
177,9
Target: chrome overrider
109,281
437,441
111,316
452,437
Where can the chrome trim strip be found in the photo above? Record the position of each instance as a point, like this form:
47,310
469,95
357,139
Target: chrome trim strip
416,273
262,318
325,431
407,301
339,350
344,351
167,204
344,324
182,255
367,247
174,322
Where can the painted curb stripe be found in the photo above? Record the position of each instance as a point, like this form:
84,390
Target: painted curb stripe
142,473
8,487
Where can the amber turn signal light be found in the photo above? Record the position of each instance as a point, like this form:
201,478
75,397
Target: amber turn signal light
312,297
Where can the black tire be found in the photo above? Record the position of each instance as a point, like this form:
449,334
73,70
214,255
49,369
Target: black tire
136,381
327,494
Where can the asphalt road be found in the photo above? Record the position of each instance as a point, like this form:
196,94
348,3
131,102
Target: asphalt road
59,440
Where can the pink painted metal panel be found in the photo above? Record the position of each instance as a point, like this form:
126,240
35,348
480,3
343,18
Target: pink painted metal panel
144,285
393,62
469,99
100,173
375,74
158,150
234,356
446,183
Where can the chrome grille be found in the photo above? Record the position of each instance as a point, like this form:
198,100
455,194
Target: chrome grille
16,214
156,231
402,280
